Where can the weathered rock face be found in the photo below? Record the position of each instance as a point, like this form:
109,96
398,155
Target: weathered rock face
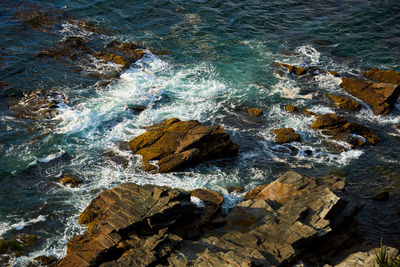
383,76
340,129
344,102
134,225
177,144
262,232
286,135
131,225
380,96
365,258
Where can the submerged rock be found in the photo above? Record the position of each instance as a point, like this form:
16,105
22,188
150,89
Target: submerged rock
381,195
344,102
40,104
178,144
293,69
380,96
340,129
45,260
291,109
148,225
72,181
286,135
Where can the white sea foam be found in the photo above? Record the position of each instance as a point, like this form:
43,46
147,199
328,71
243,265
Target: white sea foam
5,227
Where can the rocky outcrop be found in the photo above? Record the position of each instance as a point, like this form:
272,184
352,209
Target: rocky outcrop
344,102
380,96
178,144
134,225
255,112
286,135
340,129
37,105
71,180
383,76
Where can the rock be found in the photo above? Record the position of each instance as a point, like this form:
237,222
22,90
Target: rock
260,232
286,135
130,51
381,195
307,112
207,196
10,246
255,112
231,189
45,260
398,210
291,109
334,73
178,144
28,240
85,25
72,181
344,102
39,17
134,225
365,258
109,57
40,104
131,225
293,69
70,48
383,76
380,96
339,129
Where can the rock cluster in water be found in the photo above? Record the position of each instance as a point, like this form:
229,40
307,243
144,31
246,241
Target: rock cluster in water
149,225
177,144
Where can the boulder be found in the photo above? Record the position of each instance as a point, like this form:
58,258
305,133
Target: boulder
383,76
334,73
380,96
293,69
45,260
178,144
381,195
291,109
344,102
340,129
255,112
286,135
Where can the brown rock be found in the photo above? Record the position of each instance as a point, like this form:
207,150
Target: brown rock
72,181
28,240
300,71
345,103
177,144
307,112
334,73
207,196
255,112
286,135
293,69
381,195
383,76
254,192
380,96
291,109
45,260
231,189
327,120
287,66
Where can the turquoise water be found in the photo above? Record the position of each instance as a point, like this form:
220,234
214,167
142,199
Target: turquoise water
220,62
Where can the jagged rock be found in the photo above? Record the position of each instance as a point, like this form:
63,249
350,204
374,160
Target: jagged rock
261,232
291,109
293,69
177,144
131,225
37,104
231,189
45,260
307,112
381,195
109,57
344,102
72,181
383,76
70,48
255,112
334,73
380,96
130,51
134,225
207,196
286,135
340,129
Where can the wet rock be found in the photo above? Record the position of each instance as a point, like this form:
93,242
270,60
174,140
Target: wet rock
291,109
178,144
255,112
261,232
340,129
109,57
70,49
383,76
334,73
307,112
72,181
207,196
45,260
130,51
286,135
293,69
161,52
344,102
39,17
10,246
131,225
231,189
85,25
40,104
28,240
380,96
381,195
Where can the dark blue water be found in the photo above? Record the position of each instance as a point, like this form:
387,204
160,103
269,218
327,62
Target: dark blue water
219,62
